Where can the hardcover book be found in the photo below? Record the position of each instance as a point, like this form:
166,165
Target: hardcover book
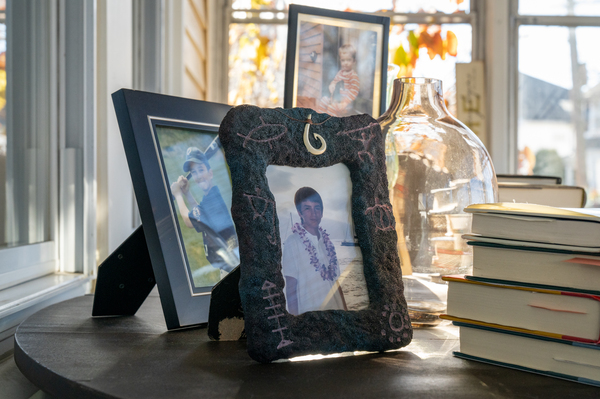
545,267
571,315
529,179
579,227
542,246
547,356
543,194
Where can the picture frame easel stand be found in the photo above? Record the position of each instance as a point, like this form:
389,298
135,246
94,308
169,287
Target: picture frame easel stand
125,278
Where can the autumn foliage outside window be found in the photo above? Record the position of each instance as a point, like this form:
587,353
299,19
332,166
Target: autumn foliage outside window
425,36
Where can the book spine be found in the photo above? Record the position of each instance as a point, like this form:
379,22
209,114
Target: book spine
527,369
514,285
459,321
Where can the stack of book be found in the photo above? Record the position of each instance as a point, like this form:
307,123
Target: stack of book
533,300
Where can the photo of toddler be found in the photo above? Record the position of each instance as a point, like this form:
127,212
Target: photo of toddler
344,87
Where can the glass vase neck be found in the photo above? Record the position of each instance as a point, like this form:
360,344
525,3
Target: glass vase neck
416,97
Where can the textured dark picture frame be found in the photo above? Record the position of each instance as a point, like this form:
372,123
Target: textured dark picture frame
291,71
138,113
254,138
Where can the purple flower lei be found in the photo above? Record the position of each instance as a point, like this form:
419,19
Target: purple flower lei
329,272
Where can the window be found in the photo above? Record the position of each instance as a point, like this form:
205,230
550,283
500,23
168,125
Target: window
557,110
28,134
427,38
46,136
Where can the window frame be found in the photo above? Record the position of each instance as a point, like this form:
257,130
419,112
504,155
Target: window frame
517,20
70,120
25,262
37,275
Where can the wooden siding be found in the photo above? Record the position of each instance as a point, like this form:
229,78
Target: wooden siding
310,73
194,49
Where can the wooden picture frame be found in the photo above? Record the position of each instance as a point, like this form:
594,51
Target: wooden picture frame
164,138
256,138
336,61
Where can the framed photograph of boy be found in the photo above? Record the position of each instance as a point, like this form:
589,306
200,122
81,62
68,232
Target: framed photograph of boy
183,189
319,268
322,262
336,61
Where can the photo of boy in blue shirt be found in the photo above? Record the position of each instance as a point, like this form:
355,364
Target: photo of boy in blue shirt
209,217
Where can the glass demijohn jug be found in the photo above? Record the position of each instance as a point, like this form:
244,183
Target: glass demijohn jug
436,167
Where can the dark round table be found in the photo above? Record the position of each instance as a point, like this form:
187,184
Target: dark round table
69,354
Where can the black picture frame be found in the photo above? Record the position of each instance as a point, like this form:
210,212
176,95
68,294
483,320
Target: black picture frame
141,116
255,138
312,59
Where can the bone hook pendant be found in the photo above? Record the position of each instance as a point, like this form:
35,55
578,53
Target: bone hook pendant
309,146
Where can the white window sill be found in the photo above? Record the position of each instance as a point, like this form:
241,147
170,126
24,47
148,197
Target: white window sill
22,300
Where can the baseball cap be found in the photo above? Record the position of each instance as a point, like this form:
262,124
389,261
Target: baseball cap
194,154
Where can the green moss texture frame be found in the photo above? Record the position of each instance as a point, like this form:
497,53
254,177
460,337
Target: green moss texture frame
254,138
